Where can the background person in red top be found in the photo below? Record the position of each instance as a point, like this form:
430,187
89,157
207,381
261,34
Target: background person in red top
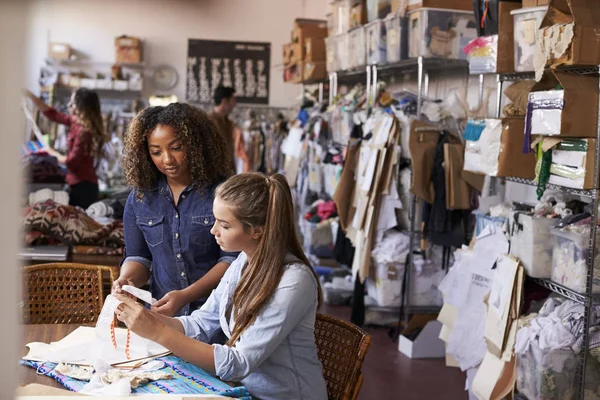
84,142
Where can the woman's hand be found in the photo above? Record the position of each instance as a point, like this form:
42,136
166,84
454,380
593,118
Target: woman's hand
171,303
137,318
119,283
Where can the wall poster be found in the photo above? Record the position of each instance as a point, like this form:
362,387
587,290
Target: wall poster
245,66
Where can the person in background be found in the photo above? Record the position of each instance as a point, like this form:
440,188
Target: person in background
173,158
85,140
225,102
266,304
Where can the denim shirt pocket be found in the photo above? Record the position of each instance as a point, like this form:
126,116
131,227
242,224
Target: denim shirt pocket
201,226
152,228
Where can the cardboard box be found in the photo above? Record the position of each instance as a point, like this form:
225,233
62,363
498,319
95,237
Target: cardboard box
293,73
128,49
588,180
399,7
584,48
535,3
511,160
506,38
314,50
287,53
465,5
427,344
59,51
579,114
312,71
308,28
296,54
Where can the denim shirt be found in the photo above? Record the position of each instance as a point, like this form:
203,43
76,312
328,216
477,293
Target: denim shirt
276,357
174,242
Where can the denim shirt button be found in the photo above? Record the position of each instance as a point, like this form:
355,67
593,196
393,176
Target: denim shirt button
183,274
150,222
176,235
176,215
205,221
178,255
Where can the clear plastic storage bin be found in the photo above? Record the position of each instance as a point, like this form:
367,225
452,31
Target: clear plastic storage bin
358,49
532,243
526,23
440,33
397,38
340,19
569,261
333,63
376,39
343,51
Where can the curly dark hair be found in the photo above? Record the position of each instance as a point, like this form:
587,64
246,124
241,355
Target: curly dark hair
206,151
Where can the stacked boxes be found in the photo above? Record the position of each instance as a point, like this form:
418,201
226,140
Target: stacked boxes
304,58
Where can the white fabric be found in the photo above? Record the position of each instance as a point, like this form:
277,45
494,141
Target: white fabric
59,197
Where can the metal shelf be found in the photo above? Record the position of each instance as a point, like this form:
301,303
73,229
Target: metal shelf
559,289
518,76
429,64
423,309
590,193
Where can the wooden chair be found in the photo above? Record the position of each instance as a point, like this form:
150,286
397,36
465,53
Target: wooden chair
64,293
341,347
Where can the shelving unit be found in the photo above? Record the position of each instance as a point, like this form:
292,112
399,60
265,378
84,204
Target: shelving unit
371,74
588,299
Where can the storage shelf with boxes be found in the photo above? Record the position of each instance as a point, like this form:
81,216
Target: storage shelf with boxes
304,58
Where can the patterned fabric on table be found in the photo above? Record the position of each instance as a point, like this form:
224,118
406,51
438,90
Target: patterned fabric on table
71,226
187,379
98,251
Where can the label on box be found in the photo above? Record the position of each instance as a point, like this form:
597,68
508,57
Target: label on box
529,31
59,48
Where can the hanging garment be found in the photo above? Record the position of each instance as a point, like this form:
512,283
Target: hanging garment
442,226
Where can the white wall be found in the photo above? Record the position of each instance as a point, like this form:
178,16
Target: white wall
90,27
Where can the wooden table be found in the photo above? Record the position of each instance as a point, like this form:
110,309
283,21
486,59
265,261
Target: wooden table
46,334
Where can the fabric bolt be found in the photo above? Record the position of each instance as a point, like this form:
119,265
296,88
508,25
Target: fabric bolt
80,157
186,379
174,241
276,357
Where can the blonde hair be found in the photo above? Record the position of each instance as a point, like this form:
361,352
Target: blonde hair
260,201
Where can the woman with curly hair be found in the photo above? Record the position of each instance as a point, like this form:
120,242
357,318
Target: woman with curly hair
173,158
85,140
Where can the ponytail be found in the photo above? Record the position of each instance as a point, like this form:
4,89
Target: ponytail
259,201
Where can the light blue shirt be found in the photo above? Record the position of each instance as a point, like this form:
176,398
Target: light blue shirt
276,357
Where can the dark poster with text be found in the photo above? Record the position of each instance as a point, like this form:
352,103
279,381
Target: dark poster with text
245,66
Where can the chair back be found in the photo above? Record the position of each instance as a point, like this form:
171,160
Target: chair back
341,347
65,293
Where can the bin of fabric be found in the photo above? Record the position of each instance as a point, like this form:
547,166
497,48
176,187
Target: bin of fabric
498,150
569,258
439,33
384,284
548,350
376,41
397,38
42,168
532,243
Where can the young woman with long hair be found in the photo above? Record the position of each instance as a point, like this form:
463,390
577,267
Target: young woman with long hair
85,140
266,303
173,158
